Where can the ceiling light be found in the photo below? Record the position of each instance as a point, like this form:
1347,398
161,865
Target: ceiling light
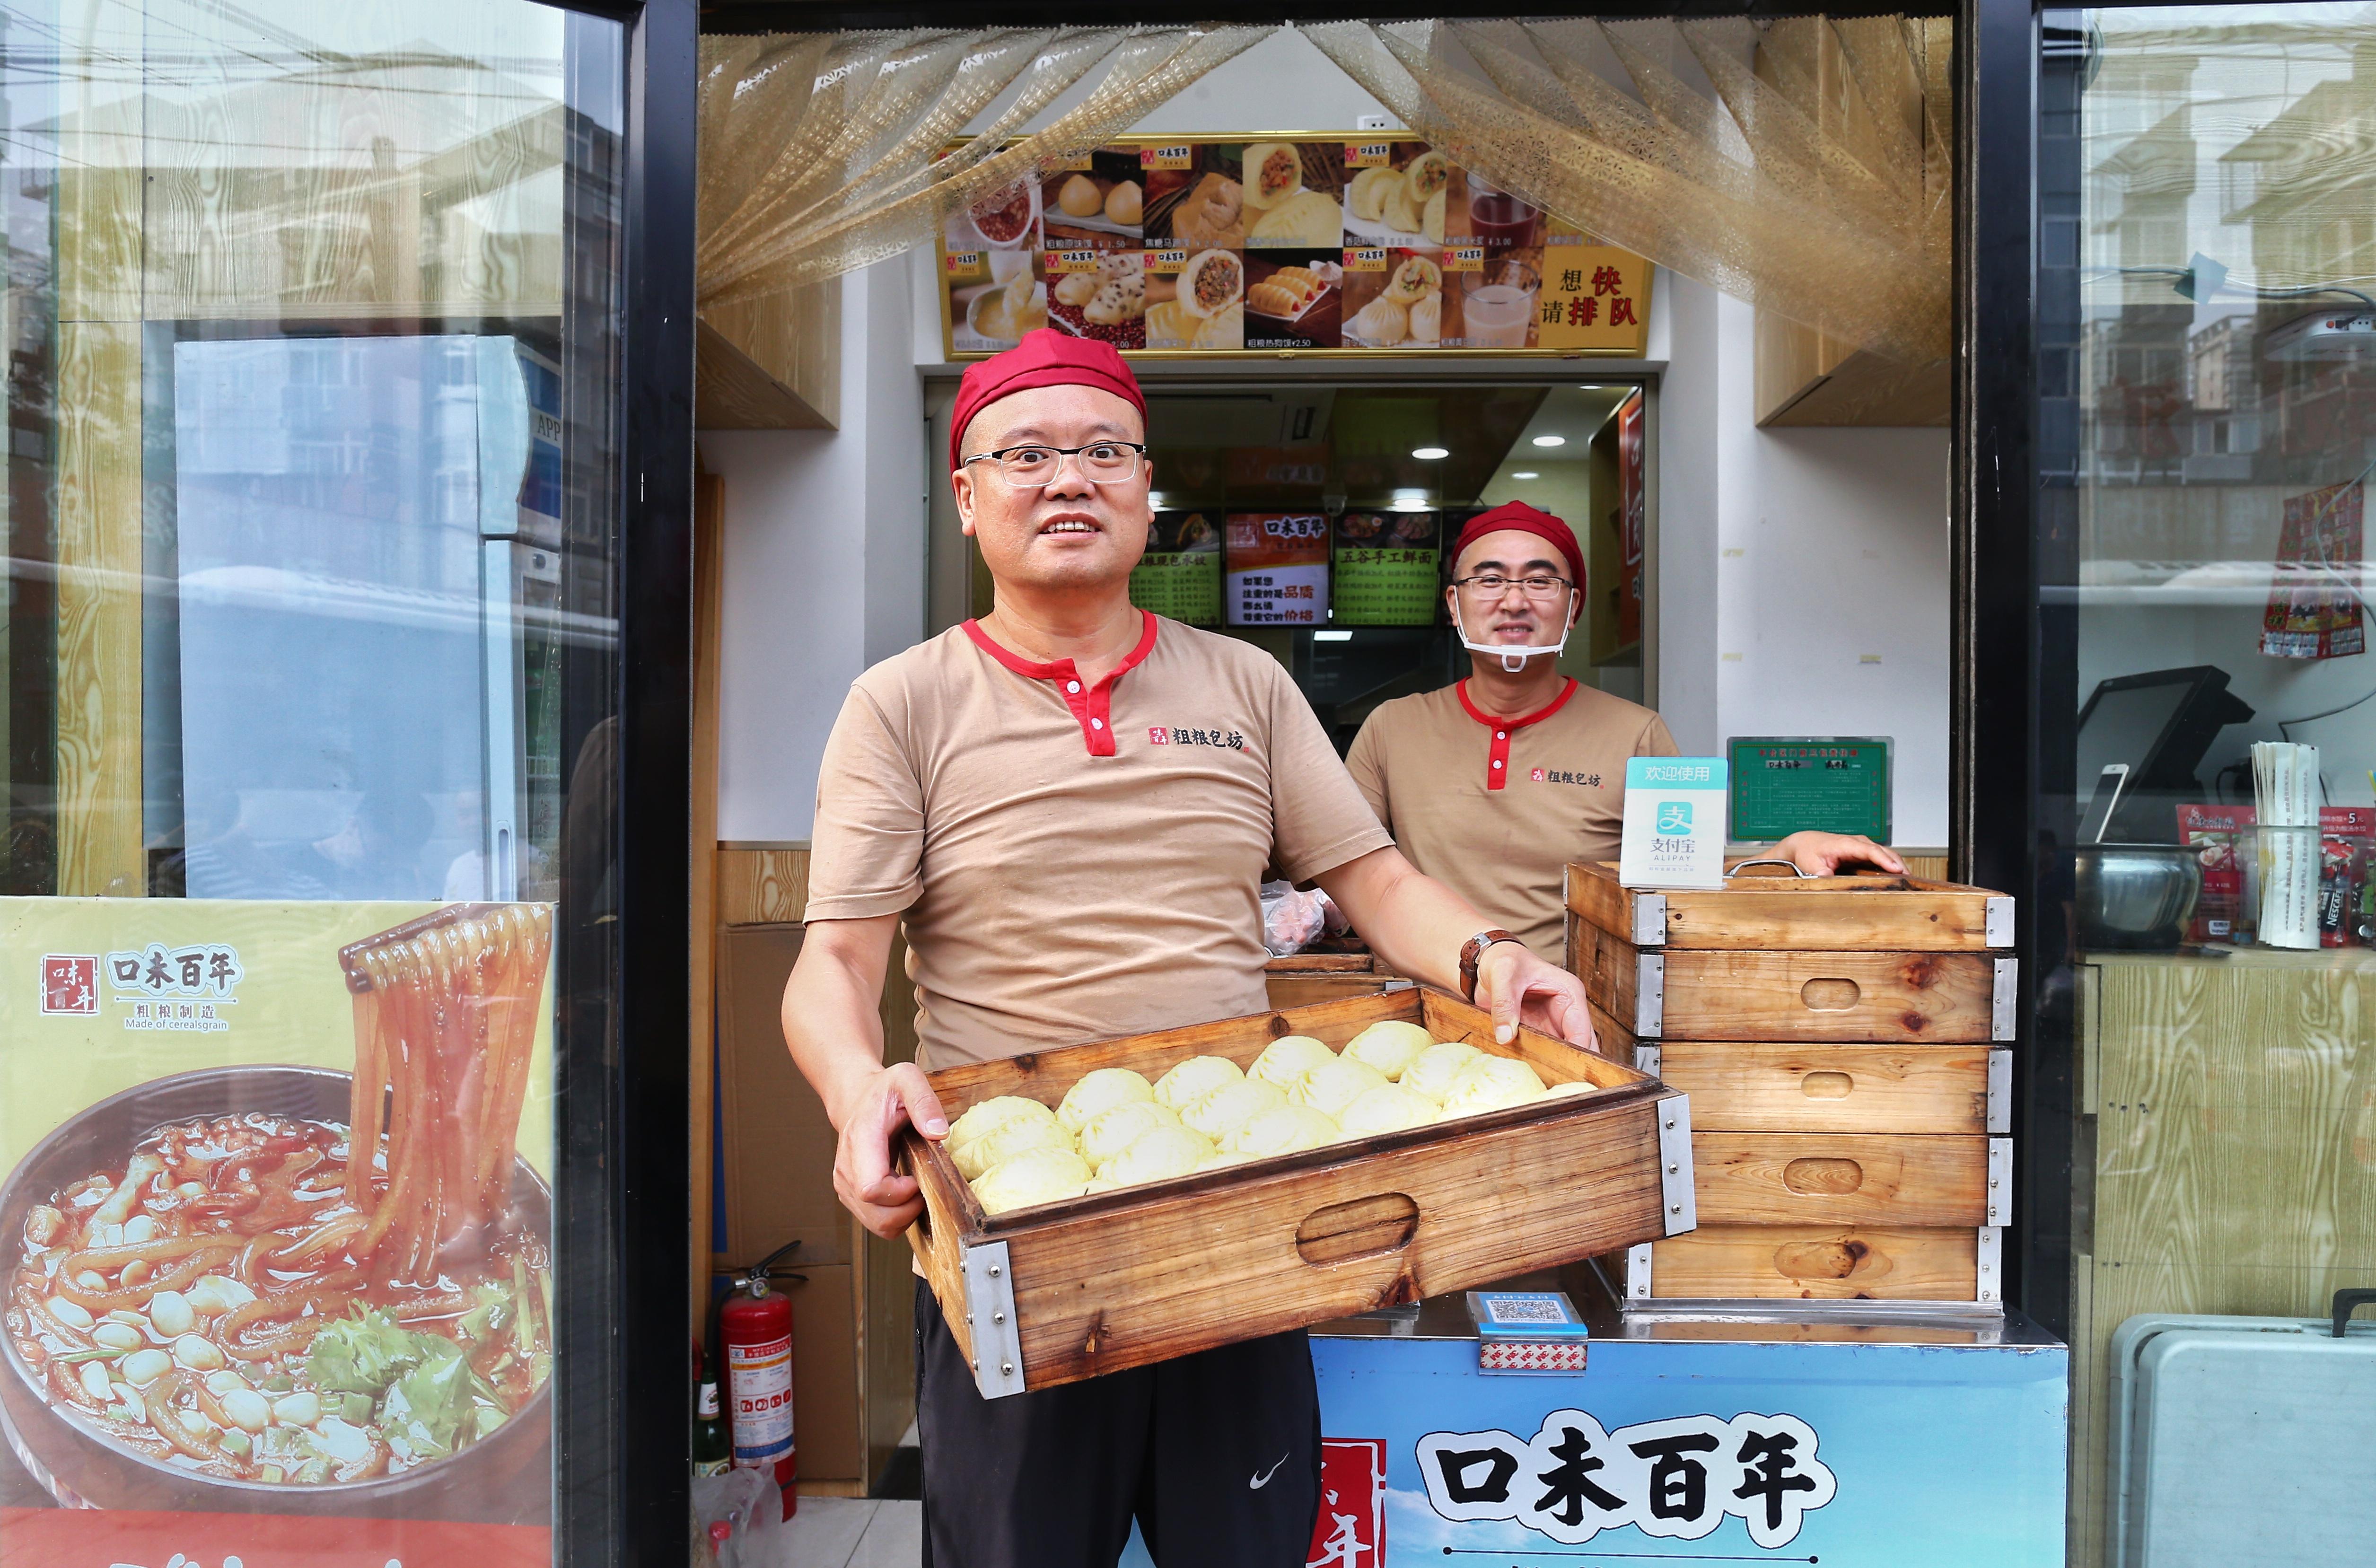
1551,440
1431,454
1410,501
1525,473
1332,636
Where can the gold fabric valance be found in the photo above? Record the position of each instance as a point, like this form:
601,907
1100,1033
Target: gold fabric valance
1813,182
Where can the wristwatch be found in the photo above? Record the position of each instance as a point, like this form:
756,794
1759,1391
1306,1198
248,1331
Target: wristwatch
1472,950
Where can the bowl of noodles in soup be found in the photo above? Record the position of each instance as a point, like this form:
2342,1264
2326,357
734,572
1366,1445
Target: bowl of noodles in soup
292,1289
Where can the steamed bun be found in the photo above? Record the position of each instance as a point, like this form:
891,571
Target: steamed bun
1019,1136
1389,1047
1389,1107
1102,1091
1489,1082
1191,1080
993,1114
1079,196
1432,1069
1160,1153
1284,1130
1231,1106
1288,1057
1124,202
1041,1176
1114,1129
1335,1083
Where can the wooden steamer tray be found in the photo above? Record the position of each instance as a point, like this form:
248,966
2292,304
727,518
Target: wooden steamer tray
1054,1293
1841,1039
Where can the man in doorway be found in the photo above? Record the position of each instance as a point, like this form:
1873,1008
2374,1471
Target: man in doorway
1072,804
1493,784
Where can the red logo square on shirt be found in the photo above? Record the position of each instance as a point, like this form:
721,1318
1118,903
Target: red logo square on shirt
1537,776
1159,736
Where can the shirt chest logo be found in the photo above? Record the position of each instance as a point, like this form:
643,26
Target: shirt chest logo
1563,776
1164,735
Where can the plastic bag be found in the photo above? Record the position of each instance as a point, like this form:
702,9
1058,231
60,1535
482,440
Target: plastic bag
749,1501
1293,921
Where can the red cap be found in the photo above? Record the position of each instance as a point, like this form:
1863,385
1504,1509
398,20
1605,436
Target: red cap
1516,516
1045,358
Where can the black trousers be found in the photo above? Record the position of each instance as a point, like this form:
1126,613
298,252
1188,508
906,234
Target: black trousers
1215,1455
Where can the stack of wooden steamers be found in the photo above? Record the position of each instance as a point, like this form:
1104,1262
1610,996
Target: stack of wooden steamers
1844,1041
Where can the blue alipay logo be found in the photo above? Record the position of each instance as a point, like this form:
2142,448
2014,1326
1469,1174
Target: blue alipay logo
1674,816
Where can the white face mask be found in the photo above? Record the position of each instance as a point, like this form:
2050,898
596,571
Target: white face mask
1513,659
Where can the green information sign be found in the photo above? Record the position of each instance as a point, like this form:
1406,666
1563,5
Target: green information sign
1783,784
1184,585
1383,587
1180,575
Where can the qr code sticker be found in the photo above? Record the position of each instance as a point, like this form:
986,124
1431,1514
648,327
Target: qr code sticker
1524,1308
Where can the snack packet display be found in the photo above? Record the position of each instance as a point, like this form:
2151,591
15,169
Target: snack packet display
2216,830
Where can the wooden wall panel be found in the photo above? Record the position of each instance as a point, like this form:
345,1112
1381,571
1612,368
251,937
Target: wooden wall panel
771,363
762,884
701,914
2229,1103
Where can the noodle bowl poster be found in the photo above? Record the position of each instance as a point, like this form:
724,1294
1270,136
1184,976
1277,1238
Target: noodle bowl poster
275,1179
288,1004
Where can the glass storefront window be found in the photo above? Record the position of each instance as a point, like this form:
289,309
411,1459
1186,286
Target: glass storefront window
2207,434
308,704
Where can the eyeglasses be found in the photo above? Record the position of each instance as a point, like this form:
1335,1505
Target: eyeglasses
1493,585
1102,462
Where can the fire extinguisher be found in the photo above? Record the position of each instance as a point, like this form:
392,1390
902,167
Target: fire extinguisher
755,1326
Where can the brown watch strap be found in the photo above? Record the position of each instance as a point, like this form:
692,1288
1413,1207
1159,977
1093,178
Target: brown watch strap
1471,951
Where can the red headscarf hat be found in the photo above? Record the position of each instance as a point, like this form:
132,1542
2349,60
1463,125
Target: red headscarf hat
1045,358
1522,518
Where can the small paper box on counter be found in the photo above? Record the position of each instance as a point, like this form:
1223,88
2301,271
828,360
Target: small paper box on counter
1056,1293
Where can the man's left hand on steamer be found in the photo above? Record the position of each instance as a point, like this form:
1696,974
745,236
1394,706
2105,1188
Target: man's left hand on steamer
1417,925
1824,854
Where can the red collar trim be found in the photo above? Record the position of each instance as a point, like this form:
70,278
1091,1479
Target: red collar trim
1493,721
1497,753
1092,705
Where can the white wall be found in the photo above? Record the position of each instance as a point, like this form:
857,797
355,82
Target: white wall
1803,574
823,564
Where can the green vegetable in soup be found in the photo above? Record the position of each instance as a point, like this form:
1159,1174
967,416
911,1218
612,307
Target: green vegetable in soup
364,1353
441,1405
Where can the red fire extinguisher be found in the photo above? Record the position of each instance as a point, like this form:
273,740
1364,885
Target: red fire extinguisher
755,1326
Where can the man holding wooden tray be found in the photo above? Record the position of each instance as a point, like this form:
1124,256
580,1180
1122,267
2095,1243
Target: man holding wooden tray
1494,784
1073,805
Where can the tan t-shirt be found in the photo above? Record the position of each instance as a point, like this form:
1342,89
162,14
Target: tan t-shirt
1497,808
1076,861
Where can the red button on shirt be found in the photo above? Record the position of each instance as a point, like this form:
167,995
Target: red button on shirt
1094,707
1497,769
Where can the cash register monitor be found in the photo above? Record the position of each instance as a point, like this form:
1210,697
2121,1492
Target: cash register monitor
2159,724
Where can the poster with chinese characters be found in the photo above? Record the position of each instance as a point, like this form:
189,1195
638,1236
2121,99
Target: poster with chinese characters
1353,243
1857,1451
276,1185
1594,297
1277,569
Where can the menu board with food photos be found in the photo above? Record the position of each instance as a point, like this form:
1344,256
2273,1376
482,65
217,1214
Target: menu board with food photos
1337,244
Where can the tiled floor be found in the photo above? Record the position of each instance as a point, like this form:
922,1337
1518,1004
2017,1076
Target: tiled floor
856,1532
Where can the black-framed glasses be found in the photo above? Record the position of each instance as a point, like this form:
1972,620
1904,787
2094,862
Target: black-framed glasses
1493,585
1102,462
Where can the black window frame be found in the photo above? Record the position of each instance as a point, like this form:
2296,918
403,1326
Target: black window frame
623,1430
